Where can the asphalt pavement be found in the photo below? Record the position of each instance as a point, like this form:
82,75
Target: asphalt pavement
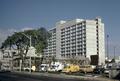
21,76
11,76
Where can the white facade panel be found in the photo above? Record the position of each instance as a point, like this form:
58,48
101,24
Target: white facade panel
91,43
101,44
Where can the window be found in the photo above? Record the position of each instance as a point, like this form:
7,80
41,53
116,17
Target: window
79,24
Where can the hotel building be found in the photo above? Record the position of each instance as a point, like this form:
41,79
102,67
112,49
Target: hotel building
78,38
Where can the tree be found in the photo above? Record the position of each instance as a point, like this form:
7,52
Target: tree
21,42
41,39
113,60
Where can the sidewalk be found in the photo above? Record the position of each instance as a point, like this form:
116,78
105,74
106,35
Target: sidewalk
61,75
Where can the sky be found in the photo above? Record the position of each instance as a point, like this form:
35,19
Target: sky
18,15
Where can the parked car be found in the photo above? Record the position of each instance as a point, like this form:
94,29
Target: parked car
107,72
99,70
33,68
5,69
56,67
71,69
86,68
43,67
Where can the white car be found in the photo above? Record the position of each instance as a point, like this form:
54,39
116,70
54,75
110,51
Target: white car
33,68
5,69
107,72
56,67
43,67
26,69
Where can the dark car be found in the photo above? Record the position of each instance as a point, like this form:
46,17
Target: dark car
99,70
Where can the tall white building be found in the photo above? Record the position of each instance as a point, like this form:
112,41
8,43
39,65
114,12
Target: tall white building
77,38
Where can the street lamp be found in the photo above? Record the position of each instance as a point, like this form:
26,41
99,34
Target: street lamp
107,50
108,47
29,37
114,52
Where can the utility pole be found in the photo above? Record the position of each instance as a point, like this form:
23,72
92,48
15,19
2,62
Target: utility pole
29,37
30,55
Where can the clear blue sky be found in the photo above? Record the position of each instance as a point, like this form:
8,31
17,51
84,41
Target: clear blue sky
20,14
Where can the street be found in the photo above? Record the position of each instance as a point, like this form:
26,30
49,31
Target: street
10,76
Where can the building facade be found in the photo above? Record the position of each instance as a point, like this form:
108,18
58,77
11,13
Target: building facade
7,58
51,49
11,59
77,38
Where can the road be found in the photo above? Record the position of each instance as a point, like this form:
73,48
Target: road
10,76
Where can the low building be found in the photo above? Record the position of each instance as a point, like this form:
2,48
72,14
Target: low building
31,55
11,58
7,58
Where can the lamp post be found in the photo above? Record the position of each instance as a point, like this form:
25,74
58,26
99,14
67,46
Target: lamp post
107,47
114,52
107,51
29,37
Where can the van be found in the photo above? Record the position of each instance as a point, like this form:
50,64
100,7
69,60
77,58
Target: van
56,66
86,68
71,69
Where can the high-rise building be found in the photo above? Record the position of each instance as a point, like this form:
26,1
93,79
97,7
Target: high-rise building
77,38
